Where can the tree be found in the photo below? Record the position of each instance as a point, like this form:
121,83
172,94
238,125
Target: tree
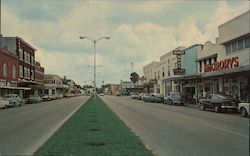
134,77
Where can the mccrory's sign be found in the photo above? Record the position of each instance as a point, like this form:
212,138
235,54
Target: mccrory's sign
222,65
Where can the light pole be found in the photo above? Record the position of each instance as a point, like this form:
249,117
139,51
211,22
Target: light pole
94,41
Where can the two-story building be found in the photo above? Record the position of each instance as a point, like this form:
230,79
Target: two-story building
150,82
53,86
225,65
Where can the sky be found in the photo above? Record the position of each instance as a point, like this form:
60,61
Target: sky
140,31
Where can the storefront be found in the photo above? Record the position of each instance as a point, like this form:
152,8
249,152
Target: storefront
227,77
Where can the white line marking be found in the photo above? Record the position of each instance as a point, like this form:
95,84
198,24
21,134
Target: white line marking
229,131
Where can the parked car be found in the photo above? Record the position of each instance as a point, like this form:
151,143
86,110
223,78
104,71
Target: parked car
13,99
34,99
4,103
218,103
141,96
243,108
174,98
133,95
101,94
153,98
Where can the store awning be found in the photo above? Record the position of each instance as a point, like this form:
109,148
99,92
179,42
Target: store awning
15,88
207,57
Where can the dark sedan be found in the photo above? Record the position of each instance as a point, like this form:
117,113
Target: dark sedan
218,103
34,99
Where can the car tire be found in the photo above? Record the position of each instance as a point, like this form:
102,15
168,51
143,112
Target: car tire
243,112
202,107
170,102
217,109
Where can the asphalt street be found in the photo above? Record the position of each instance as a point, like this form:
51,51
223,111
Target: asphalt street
24,129
182,130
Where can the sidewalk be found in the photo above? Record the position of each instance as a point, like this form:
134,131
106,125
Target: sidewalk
96,131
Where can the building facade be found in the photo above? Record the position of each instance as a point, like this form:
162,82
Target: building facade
8,72
53,86
225,66
150,82
26,62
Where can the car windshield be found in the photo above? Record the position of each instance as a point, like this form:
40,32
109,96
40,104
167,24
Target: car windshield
218,96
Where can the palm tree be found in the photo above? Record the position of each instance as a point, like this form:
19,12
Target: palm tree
134,77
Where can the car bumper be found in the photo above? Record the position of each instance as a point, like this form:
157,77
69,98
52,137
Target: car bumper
178,102
229,107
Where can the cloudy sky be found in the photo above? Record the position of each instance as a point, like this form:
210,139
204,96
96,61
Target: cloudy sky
140,31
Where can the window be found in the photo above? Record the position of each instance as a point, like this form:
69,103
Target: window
14,72
28,72
210,61
228,48
163,72
168,70
28,58
32,60
247,42
20,54
25,56
240,44
200,66
5,70
158,73
32,74
234,46
20,70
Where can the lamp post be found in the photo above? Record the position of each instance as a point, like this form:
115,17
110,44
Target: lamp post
94,41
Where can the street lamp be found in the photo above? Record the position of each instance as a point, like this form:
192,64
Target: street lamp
94,41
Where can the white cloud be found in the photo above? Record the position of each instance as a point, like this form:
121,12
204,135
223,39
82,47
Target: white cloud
140,43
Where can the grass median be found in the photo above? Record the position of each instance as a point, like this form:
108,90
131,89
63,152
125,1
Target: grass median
94,130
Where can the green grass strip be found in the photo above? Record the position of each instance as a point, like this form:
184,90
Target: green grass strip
94,130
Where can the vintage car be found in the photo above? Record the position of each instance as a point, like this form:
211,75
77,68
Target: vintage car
4,103
14,100
173,98
153,98
34,99
218,103
244,109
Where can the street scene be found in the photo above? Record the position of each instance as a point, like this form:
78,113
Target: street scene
121,78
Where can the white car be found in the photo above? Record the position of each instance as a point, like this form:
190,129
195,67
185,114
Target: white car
4,103
244,109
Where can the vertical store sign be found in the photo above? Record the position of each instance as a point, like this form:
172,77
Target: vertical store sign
178,70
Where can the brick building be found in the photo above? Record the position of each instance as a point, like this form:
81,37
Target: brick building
26,62
8,72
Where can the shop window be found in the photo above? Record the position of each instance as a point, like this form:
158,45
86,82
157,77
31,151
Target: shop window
240,44
234,46
247,42
228,48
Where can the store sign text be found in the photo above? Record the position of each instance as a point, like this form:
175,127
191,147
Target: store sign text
221,65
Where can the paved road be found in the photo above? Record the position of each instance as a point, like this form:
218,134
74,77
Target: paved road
24,129
181,130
